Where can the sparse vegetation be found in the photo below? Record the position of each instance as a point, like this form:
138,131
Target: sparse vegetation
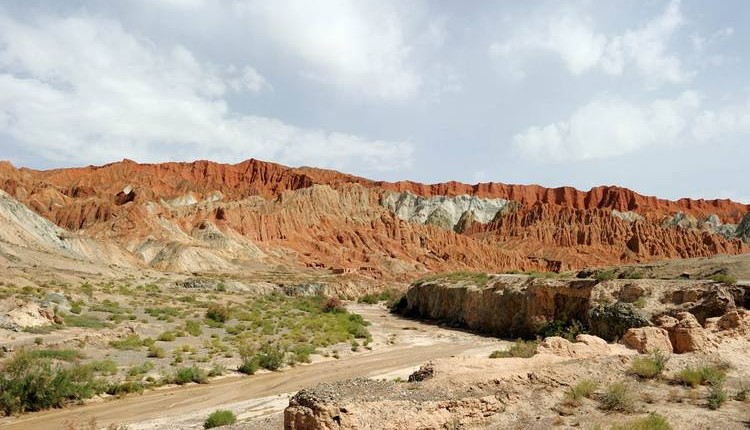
271,357
618,397
605,275
32,383
186,375
567,329
724,278
701,375
575,394
219,418
477,278
521,348
651,422
217,313
717,394
649,367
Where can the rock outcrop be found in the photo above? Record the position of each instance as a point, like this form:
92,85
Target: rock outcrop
647,340
520,306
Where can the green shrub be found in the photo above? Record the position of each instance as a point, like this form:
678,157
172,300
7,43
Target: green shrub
56,354
107,367
156,352
131,342
521,348
717,395
271,357
649,367
651,422
605,275
249,366
217,313
193,327
76,307
85,321
167,336
29,383
567,329
576,393
618,398
219,418
124,387
724,278
701,375
185,375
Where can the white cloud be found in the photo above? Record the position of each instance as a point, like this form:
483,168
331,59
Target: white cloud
716,124
357,46
573,38
610,126
83,89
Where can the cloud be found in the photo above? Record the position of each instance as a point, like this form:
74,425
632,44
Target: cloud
83,89
572,37
360,47
608,127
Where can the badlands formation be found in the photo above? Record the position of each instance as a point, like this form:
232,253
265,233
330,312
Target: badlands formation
389,305
204,217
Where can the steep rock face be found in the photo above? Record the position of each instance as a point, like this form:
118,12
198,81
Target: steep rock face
270,214
512,305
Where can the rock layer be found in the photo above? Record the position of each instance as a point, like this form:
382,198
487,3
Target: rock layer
209,216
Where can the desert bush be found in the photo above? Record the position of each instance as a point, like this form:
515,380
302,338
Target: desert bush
219,418
333,305
618,397
576,393
605,275
185,375
218,313
167,336
56,354
216,370
107,367
156,352
249,365
193,327
521,348
717,394
567,329
131,342
76,307
141,369
701,375
724,278
302,353
651,422
85,321
124,387
649,367
271,357
29,383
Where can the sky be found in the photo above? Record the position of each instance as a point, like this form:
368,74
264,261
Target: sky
646,94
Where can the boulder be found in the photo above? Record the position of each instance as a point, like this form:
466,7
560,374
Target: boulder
586,346
687,335
647,339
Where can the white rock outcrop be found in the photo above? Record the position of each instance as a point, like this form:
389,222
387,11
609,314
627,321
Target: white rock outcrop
442,211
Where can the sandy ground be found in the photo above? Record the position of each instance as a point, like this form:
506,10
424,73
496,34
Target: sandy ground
400,347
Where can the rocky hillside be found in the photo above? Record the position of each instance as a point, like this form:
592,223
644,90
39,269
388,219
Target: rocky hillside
205,216
521,306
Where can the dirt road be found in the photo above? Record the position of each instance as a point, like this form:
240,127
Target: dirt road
398,345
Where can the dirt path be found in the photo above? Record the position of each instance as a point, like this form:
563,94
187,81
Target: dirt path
399,345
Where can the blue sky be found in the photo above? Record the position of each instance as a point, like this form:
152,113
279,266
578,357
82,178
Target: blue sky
651,95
